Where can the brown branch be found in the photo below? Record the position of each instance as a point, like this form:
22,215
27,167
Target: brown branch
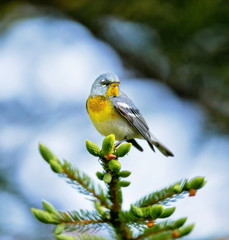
114,191
72,177
159,200
85,222
145,235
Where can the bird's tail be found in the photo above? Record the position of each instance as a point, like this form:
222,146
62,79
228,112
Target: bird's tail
164,150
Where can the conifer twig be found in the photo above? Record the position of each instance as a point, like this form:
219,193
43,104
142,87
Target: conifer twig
161,227
89,188
163,196
143,215
115,196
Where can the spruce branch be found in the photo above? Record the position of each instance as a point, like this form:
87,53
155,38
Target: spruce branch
90,237
161,236
78,179
83,217
171,193
84,226
112,168
162,196
84,184
161,227
80,236
143,215
143,220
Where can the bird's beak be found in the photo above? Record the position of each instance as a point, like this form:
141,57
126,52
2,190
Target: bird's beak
115,84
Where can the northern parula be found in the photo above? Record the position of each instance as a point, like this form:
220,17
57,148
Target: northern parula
112,112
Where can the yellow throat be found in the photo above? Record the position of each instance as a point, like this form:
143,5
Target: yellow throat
113,90
100,108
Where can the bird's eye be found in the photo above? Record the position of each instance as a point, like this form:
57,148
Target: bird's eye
104,82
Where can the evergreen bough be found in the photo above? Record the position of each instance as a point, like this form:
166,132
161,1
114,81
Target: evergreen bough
145,219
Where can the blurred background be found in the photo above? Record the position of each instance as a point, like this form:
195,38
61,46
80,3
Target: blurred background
172,58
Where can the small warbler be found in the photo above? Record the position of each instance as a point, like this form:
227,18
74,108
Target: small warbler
112,112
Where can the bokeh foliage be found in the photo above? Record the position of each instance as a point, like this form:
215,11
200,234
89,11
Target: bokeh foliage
182,43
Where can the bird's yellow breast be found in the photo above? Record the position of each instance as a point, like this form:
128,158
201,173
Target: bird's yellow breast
100,109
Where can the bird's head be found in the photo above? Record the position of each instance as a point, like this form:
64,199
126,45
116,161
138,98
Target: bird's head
106,84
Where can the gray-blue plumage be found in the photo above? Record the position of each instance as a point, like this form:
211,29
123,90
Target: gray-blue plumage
99,87
131,113
131,123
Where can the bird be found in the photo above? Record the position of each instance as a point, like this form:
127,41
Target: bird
112,112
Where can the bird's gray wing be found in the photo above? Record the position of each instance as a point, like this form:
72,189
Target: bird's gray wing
131,113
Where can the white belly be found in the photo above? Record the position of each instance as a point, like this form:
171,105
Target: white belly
119,127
